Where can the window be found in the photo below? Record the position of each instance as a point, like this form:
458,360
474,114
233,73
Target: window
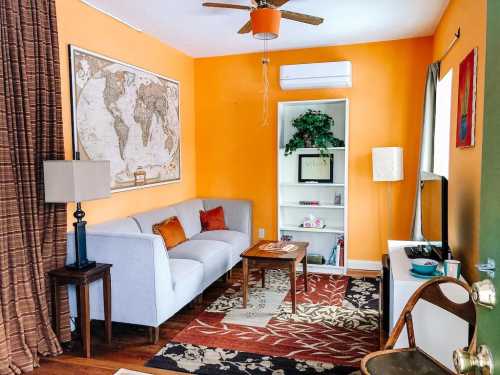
443,124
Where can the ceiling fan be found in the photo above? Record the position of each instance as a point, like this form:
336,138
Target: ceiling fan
265,17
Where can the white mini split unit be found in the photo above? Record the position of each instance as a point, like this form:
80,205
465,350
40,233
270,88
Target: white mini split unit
316,76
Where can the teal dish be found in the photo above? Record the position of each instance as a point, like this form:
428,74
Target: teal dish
420,276
424,266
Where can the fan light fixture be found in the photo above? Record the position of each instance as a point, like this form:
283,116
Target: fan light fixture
265,23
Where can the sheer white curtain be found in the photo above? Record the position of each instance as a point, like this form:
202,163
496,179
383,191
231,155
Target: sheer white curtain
426,145
442,126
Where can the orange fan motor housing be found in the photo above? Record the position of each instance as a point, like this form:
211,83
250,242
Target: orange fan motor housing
266,23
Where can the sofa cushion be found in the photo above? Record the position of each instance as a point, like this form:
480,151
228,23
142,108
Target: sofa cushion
184,269
215,256
126,225
147,219
237,213
239,241
188,213
171,231
213,219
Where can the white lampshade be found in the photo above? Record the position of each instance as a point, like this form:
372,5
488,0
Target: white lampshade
387,164
76,180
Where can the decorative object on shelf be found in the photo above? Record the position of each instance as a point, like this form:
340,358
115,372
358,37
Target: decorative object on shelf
336,257
467,87
332,259
313,222
126,115
77,181
309,203
315,259
338,199
314,130
286,237
316,168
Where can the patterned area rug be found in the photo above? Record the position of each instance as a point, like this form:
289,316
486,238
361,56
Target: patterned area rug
336,324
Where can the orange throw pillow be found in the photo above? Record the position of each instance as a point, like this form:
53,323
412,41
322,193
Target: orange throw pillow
213,219
171,231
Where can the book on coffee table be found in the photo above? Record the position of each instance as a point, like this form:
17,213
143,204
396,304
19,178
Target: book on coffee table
278,246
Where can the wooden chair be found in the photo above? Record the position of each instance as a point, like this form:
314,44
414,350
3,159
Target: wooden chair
413,360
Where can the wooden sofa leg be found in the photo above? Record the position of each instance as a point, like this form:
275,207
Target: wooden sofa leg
154,335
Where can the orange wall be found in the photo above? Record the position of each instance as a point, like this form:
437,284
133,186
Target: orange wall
465,164
236,156
85,27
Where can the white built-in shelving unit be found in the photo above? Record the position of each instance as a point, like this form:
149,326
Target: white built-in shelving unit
290,213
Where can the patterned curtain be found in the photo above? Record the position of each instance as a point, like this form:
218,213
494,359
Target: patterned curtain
32,233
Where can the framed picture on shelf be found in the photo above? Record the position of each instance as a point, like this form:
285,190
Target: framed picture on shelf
316,168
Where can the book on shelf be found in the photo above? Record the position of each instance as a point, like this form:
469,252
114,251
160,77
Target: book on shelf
309,203
342,256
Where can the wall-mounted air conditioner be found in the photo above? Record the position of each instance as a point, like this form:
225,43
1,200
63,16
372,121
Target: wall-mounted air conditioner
316,76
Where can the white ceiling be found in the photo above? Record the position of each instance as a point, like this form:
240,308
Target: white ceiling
199,31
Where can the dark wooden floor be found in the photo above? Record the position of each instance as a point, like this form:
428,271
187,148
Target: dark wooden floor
130,347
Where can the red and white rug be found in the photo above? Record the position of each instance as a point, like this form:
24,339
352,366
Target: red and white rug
336,324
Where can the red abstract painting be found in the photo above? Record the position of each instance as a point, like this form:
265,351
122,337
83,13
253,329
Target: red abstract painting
466,115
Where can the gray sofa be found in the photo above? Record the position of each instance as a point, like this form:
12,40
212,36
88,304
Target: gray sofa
149,284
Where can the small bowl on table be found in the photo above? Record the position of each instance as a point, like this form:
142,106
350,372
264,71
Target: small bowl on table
424,266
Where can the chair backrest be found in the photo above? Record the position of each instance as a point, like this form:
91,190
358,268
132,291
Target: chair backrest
432,293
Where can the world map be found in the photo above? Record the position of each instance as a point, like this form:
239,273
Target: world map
128,116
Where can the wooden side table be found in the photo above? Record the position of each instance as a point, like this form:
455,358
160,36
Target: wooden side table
269,259
82,280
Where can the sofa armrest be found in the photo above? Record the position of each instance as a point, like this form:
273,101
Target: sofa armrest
238,213
141,282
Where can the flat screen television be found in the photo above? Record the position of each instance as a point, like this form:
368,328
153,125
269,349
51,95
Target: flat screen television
434,210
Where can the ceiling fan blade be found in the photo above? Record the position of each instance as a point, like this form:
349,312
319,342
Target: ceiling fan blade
300,17
277,3
246,28
226,6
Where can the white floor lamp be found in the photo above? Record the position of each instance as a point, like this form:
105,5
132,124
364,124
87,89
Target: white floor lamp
388,167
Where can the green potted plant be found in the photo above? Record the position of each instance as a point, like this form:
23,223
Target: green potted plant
314,129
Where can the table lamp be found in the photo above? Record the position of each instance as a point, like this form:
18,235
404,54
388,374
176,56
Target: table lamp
388,167
77,181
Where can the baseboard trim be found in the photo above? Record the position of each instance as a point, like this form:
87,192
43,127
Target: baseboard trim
368,265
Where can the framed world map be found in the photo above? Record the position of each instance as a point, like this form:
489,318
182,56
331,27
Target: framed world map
128,116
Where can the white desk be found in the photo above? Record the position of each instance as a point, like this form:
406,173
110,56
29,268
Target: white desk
437,331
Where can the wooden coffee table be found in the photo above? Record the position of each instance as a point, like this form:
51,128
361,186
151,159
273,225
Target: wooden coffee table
254,257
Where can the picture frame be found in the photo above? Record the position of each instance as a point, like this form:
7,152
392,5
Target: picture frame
315,168
466,108
112,119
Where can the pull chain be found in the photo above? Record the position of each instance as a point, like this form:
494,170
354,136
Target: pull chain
265,77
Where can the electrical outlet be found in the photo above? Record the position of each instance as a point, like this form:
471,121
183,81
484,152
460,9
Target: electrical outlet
262,232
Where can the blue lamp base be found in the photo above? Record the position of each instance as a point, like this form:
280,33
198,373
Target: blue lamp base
80,242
